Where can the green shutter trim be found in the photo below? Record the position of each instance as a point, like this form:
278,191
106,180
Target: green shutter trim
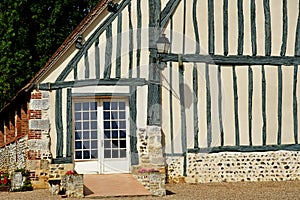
284,27
168,11
133,137
130,41
253,28
236,107
170,90
195,107
76,72
87,65
182,111
295,104
97,58
195,23
184,27
69,122
297,39
208,106
195,77
268,39
211,29
240,27
297,53
220,98
139,37
225,26
59,124
279,115
108,52
264,115
250,101
119,46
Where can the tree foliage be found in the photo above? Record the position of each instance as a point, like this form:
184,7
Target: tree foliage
30,33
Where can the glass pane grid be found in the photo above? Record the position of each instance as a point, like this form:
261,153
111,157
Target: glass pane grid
86,146
114,129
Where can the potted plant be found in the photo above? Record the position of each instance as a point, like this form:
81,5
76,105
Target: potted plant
5,182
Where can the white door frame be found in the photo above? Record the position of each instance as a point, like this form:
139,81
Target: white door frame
101,164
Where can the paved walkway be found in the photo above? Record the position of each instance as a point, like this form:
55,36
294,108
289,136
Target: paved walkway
112,185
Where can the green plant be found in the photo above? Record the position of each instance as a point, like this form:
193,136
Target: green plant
4,179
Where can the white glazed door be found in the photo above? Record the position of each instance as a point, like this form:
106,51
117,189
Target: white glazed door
115,136
101,142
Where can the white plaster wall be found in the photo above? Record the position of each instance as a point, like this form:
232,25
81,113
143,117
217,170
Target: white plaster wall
271,73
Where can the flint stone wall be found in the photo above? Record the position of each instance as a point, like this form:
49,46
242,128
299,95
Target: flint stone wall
236,166
73,185
14,155
150,151
153,182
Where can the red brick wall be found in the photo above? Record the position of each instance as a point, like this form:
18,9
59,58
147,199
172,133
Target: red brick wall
18,125
24,121
12,129
34,134
1,138
36,95
35,114
34,155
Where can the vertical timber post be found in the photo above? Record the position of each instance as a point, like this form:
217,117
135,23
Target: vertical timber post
154,96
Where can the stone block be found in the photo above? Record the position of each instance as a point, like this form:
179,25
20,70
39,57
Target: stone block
153,131
39,104
45,95
39,124
38,144
44,165
33,164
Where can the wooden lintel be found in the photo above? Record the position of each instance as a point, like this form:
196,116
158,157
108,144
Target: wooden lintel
233,59
82,83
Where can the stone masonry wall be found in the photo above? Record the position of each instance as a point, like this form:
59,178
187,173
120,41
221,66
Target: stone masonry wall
14,155
39,156
150,159
235,166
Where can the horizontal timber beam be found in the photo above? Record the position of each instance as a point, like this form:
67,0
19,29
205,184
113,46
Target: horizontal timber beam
83,83
288,147
233,59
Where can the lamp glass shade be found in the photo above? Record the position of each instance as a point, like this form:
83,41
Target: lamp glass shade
163,44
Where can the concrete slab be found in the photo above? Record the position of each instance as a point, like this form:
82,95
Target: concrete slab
111,185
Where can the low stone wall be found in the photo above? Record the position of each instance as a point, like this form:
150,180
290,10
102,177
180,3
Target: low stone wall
72,185
151,169
236,166
14,155
153,182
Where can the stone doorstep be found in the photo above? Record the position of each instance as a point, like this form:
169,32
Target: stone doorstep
113,185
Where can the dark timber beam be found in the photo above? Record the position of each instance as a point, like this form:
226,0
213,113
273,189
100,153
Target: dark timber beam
287,147
154,91
234,59
82,83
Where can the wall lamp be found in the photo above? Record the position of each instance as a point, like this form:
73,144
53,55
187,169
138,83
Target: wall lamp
112,7
163,46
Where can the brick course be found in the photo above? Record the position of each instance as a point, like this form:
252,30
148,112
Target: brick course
34,134
35,114
36,95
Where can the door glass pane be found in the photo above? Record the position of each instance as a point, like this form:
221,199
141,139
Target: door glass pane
114,124
85,120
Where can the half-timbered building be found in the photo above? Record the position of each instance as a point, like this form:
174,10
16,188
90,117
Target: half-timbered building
221,105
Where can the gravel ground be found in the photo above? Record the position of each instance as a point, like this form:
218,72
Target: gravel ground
241,190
